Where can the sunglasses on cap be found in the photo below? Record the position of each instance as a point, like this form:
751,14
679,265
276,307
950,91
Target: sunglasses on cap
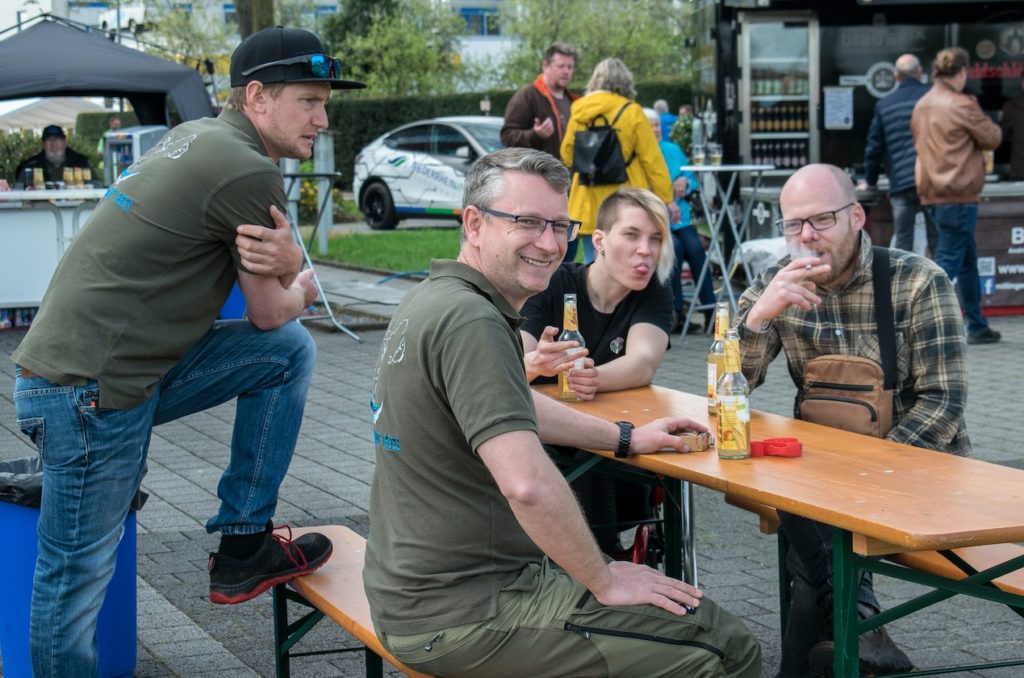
318,65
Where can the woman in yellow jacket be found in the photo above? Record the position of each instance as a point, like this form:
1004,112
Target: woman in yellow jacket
611,86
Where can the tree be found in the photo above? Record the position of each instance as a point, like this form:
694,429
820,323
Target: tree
254,15
397,47
648,35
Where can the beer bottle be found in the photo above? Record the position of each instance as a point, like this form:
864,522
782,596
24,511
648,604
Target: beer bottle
570,332
716,354
733,404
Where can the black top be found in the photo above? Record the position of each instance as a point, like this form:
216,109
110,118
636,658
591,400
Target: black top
604,333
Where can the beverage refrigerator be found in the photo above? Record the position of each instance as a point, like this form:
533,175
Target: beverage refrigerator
778,90
124,146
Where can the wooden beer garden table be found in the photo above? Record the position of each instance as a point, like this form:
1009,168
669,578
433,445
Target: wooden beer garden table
883,497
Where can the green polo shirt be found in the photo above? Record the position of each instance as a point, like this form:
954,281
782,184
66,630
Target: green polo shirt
148,275
443,540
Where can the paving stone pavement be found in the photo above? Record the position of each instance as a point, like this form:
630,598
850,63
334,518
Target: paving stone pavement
181,634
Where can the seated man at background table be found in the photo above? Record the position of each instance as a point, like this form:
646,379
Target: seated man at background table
819,300
126,340
479,562
54,157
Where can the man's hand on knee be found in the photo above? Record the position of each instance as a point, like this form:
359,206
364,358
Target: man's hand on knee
633,584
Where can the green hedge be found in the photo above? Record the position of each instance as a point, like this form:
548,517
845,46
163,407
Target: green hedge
357,122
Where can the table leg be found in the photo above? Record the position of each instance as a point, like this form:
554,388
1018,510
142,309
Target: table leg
845,585
320,288
714,224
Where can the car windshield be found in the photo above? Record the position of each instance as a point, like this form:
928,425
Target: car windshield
488,136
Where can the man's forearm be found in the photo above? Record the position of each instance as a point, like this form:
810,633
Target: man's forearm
561,425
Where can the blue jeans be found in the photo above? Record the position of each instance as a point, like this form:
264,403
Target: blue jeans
94,460
588,249
905,206
688,247
957,255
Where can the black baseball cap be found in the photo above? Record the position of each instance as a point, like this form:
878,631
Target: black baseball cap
53,131
286,55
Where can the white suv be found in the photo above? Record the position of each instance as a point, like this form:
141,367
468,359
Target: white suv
418,169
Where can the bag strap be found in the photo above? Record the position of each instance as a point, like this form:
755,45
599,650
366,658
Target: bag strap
882,283
617,116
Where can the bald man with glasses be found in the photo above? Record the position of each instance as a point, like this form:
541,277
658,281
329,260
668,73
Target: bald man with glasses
819,300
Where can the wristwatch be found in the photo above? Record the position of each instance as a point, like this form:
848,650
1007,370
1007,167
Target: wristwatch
625,438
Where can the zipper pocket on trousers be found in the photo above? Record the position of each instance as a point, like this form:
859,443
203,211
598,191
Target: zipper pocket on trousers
848,401
587,631
839,387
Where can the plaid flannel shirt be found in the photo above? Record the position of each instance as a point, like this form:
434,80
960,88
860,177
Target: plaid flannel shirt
931,391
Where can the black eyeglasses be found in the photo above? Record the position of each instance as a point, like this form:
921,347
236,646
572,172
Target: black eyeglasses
562,228
318,65
819,222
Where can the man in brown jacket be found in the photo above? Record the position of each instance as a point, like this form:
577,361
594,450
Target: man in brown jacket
537,114
950,132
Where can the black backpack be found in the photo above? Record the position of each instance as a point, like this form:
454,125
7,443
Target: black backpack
597,154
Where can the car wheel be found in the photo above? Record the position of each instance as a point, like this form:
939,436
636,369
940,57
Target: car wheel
132,26
378,207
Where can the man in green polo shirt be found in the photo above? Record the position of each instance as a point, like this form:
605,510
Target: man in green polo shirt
126,339
479,561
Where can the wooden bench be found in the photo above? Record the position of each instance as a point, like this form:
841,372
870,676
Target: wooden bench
933,562
335,591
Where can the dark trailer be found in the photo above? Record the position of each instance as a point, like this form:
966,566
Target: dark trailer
796,81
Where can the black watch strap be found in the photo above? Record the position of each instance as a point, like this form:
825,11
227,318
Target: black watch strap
625,438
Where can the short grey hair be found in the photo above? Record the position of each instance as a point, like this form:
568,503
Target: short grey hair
613,76
485,181
661,106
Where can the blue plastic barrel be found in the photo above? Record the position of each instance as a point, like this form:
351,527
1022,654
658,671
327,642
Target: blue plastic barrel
234,307
116,631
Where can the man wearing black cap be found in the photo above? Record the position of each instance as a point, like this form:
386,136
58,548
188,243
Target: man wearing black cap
126,339
54,157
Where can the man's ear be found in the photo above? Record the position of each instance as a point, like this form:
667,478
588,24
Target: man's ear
255,97
859,217
472,222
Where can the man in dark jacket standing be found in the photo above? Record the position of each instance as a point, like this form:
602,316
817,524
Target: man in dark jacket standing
537,114
890,136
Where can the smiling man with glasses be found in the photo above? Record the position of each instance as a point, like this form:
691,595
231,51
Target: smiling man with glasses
819,300
479,561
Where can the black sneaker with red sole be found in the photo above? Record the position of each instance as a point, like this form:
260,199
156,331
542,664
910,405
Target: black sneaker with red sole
278,560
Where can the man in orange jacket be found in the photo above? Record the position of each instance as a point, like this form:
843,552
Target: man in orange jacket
537,114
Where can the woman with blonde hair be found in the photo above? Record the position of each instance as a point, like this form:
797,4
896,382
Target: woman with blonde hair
609,93
625,312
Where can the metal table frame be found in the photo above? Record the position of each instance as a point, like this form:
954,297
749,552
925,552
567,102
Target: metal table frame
724,218
333,178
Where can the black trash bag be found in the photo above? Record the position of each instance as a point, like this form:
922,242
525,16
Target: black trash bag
21,483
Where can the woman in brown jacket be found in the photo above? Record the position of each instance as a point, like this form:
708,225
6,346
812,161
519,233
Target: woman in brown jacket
950,132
